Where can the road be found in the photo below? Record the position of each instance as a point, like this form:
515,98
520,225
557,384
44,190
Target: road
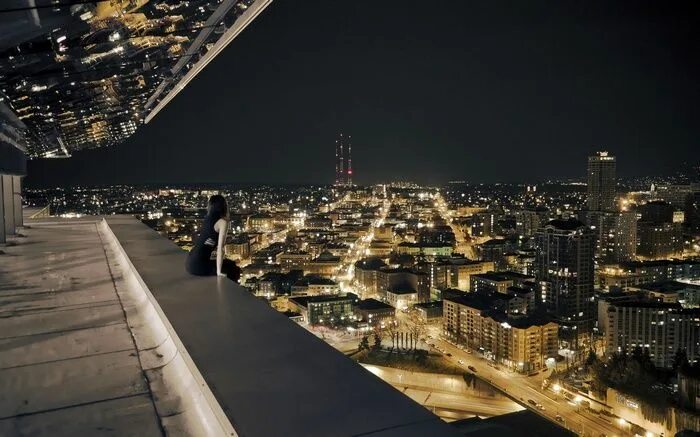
462,246
447,395
524,388
346,271
521,388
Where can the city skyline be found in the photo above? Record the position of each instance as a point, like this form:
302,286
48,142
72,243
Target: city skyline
533,85
386,218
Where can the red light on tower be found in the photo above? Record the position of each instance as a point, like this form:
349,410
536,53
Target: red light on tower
349,160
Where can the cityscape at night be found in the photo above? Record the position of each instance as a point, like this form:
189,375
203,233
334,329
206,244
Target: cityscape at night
357,253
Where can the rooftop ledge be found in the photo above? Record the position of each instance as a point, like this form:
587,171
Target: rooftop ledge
216,360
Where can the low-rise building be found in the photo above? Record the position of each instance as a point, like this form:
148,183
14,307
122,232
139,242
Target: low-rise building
633,273
238,247
524,344
453,272
495,250
374,312
429,312
293,260
498,282
314,285
272,284
401,298
430,250
684,293
366,271
403,281
326,264
261,222
323,309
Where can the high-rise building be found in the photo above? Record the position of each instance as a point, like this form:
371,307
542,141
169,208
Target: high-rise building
565,250
657,234
601,182
656,211
343,160
615,232
692,212
661,328
616,235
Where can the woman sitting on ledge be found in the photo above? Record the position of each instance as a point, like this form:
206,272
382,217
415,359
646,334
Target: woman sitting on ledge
213,236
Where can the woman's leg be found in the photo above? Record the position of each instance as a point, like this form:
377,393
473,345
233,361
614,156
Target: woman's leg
232,271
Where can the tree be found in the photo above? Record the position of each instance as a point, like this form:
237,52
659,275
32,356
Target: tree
378,336
416,327
680,360
364,343
393,330
592,358
421,356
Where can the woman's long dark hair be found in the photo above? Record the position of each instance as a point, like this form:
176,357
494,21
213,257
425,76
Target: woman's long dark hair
217,207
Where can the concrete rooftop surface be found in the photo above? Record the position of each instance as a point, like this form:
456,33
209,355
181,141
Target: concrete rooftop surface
103,333
68,362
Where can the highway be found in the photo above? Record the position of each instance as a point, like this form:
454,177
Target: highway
523,388
447,395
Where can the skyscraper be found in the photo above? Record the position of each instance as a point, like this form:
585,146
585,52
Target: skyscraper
601,182
616,235
343,160
616,232
565,271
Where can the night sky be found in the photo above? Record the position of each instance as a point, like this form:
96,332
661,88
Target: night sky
430,91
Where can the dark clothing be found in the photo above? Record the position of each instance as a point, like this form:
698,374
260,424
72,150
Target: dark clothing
199,260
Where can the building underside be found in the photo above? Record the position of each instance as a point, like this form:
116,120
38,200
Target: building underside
78,75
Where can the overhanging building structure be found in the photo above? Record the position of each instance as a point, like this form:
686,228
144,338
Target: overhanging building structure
77,75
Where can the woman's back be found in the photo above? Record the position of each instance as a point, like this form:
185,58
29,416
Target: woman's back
199,260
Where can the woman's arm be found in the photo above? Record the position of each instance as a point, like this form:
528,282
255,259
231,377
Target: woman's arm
221,226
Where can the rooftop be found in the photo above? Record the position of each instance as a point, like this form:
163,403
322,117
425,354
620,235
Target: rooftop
431,304
373,304
570,224
102,335
305,300
667,286
68,359
502,276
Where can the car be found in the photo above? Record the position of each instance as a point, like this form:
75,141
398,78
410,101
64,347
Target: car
540,407
460,362
559,418
469,351
472,368
532,402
